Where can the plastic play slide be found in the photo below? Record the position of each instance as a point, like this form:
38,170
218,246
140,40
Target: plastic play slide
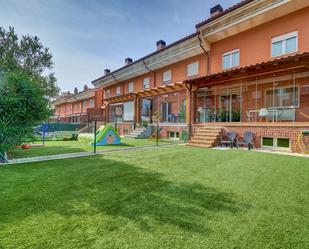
105,135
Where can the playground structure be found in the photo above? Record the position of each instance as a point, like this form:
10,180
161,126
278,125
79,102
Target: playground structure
105,135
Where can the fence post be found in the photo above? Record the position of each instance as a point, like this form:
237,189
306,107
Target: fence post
157,134
43,137
95,138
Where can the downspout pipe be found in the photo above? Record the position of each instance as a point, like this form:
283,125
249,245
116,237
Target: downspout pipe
154,74
206,52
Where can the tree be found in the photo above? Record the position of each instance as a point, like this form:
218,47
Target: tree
22,106
28,55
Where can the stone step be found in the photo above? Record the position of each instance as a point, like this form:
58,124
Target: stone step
208,129
202,141
206,134
198,145
199,141
204,138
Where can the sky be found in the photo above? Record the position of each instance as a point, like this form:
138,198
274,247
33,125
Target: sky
87,36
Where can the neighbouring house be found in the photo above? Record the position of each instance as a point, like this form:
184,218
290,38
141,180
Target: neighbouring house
78,107
245,68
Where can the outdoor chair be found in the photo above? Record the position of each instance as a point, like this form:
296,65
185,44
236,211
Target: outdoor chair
246,140
263,114
229,139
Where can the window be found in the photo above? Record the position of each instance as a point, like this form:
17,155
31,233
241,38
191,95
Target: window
165,111
107,93
174,135
167,77
146,82
131,87
116,112
230,59
276,143
146,109
91,103
85,103
284,44
118,91
121,112
192,69
128,111
282,97
268,141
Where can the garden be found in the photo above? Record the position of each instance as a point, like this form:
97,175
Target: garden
176,197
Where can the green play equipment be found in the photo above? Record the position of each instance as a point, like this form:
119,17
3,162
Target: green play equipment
105,135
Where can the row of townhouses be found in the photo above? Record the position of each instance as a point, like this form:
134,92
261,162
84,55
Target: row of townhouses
245,68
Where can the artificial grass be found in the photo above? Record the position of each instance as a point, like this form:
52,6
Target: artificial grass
176,197
64,147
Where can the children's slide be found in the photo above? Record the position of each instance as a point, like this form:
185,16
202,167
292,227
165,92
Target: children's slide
105,135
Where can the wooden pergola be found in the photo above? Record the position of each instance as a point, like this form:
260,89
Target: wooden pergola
151,92
164,89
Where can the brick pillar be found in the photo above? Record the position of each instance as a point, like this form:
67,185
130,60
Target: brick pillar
107,113
137,111
188,107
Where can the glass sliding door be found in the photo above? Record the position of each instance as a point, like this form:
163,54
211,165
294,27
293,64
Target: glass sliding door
169,108
230,108
146,110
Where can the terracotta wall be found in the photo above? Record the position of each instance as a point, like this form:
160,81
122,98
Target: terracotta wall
276,132
255,44
98,98
179,73
67,109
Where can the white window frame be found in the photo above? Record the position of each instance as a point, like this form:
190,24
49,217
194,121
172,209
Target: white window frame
107,93
193,69
85,104
91,102
118,90
275,145
128,117
147,80
230,59
131,87
167,77
283,38
175,135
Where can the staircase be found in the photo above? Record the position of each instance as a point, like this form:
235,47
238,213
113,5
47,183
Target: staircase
206,137
140,133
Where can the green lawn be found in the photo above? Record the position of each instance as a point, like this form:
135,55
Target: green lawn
61,147
176,197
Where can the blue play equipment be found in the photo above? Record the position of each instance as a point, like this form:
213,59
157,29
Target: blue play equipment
106,135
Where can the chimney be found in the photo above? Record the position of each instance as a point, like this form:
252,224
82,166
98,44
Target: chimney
216,10
160,44
85,87
106,72
75,90
68,93
128,61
